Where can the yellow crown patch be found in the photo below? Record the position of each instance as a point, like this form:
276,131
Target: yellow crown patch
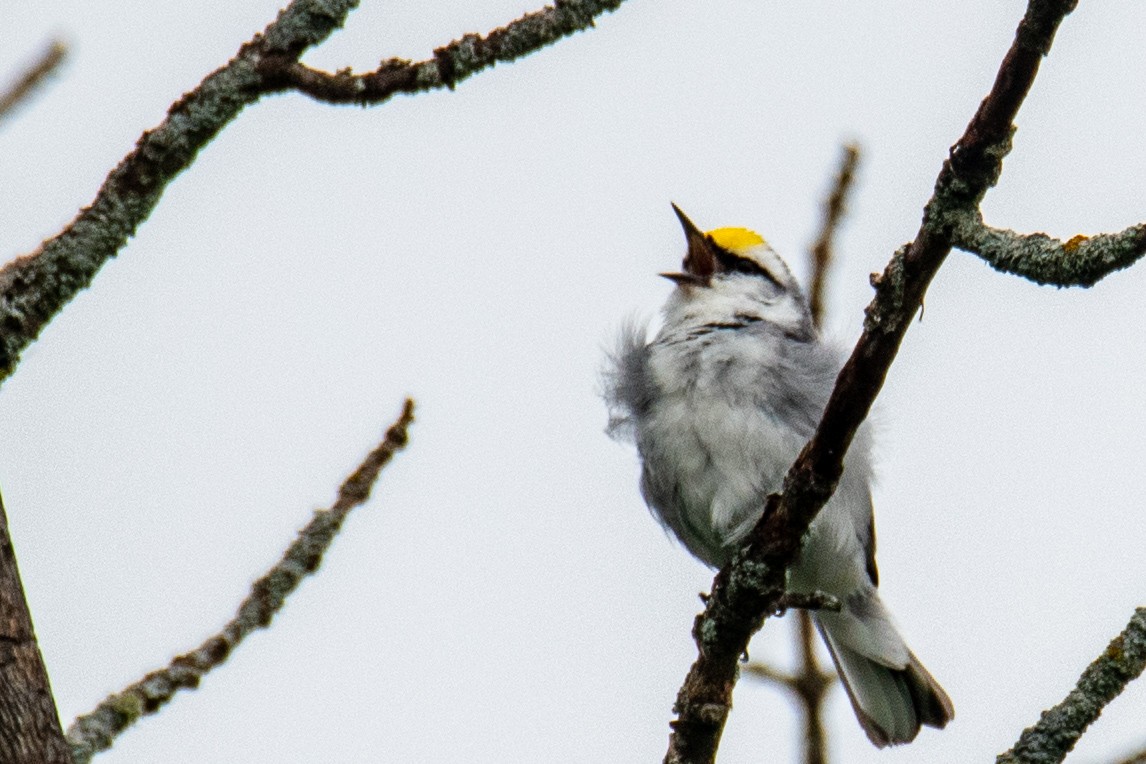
736,239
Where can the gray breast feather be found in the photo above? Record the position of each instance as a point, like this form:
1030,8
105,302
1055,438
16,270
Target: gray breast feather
754,365
718,414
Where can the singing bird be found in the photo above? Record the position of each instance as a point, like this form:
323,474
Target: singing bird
719,404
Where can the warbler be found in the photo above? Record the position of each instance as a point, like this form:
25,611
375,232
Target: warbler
720,403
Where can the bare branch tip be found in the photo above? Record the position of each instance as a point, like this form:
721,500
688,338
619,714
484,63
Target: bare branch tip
45,65
822,254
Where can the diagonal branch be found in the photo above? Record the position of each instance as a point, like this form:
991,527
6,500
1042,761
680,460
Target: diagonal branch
451,63
823,250
1058,729
32,77
748,589
34,288
1080,261
96,731
1138,757
810,684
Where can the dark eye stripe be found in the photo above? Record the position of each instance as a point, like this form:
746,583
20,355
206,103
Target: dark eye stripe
737,264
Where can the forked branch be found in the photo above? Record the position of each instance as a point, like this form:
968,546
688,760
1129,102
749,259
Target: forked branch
34,288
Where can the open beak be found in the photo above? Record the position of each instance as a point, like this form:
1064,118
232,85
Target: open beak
700,260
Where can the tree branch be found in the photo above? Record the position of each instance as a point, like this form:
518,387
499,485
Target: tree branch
770,674
1058,729
809,686
1138,757
32,78
34,288
1080,261
812,686
96,731
746,590
451,63
30,731
822,251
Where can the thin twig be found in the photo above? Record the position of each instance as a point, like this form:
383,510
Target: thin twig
748,589
34,288
812,683
766,672
96,731
808,686
1138,757
812,686
32,77
1059,728
823,250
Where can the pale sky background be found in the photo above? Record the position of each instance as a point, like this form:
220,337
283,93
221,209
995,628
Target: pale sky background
506,597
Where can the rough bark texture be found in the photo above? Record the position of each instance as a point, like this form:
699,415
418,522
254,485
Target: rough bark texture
30,731
34,288
451,63
1079,261
749,589
1059,728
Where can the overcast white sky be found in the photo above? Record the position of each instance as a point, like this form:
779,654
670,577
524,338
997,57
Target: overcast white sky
505,596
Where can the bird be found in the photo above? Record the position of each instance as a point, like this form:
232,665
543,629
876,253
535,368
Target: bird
719,403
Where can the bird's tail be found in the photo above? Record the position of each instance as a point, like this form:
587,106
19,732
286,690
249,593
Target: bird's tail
890,690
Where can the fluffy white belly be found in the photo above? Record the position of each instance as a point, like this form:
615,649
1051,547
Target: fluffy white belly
726,460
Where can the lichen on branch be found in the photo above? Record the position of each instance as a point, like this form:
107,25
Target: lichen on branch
96,731
1059,728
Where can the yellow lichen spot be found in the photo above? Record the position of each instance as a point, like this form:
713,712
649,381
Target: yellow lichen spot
129,704
736,239
1074,243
